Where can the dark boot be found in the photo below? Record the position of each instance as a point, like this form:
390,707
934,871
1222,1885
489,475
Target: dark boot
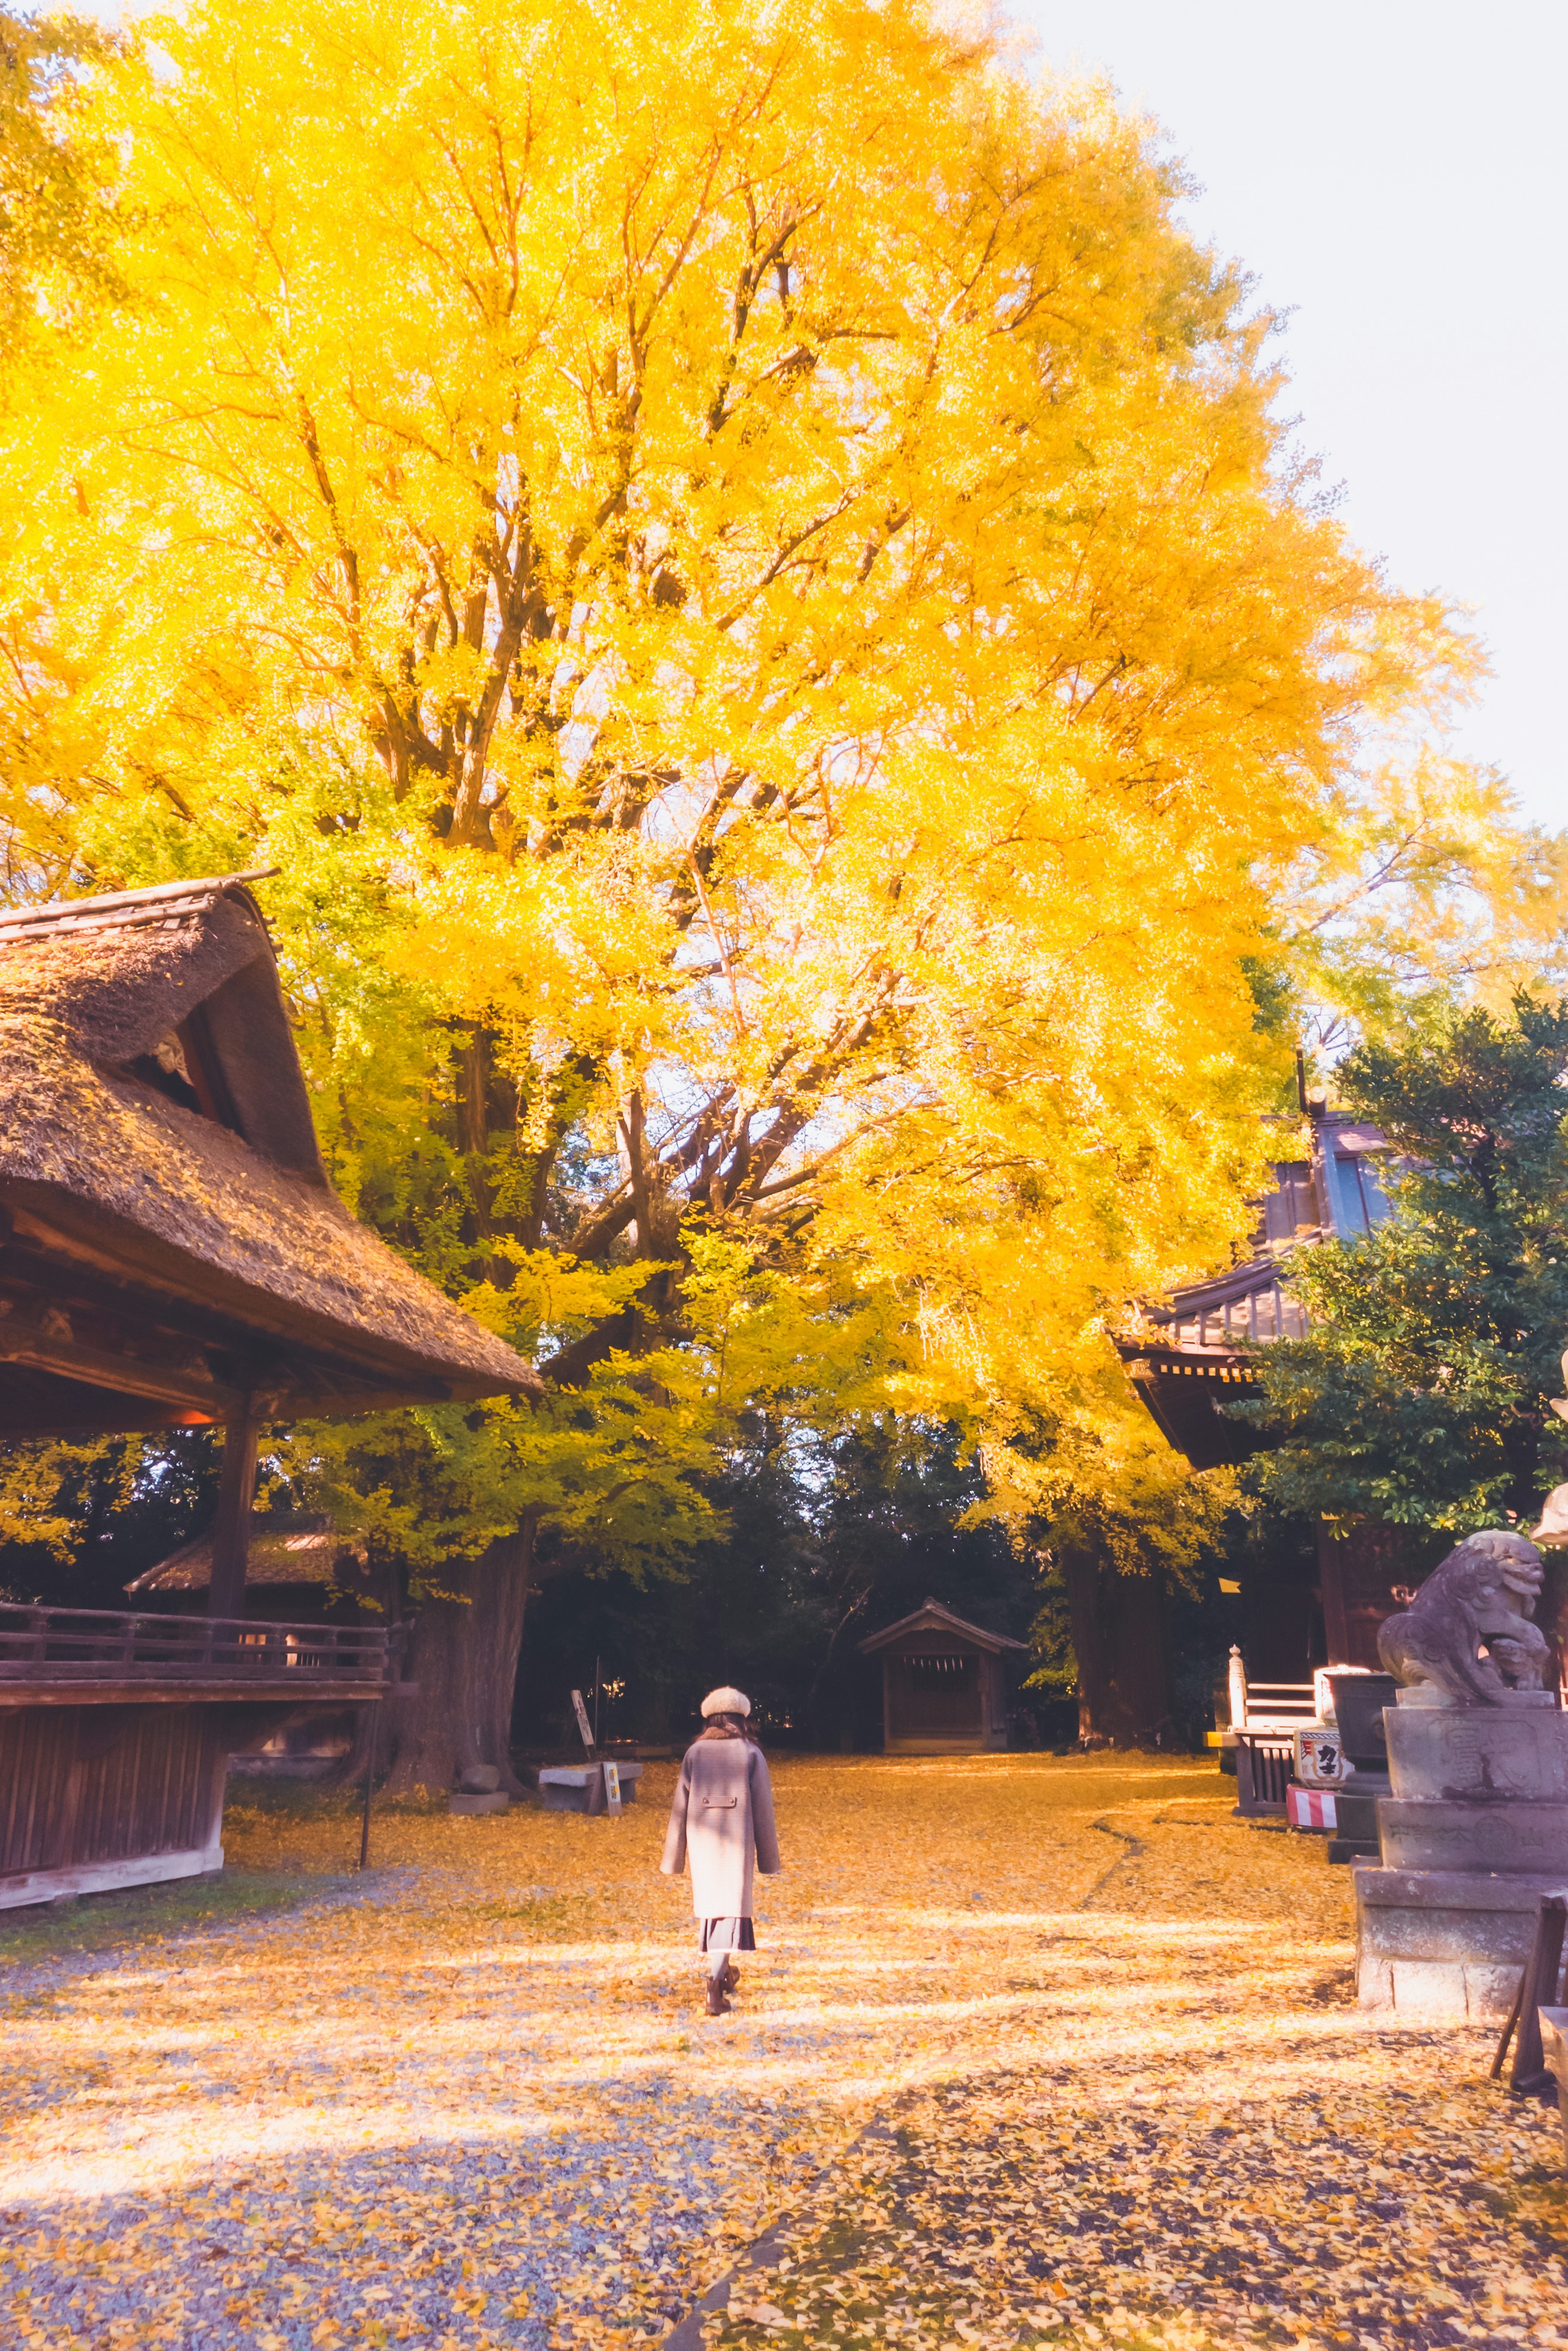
731,1976
717,2003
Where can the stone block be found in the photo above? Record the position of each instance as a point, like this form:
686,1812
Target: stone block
1443,1946
1488,1992
1479,1751
1359,1701
1434,1991
1373,1981
481,1780
468,1807
1423,1934
1355,1811
1428,1992
1470,1833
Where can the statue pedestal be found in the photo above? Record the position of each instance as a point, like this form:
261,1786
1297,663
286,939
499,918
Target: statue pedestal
1475,1831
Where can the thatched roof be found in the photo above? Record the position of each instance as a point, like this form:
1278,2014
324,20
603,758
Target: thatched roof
158,1159
283,1548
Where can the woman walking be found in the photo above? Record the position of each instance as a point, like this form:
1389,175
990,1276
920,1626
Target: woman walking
722,1821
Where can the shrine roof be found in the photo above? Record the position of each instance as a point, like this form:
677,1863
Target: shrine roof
936,1618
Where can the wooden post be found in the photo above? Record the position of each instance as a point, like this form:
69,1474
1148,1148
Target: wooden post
1238,1690
1538,1987
231,1530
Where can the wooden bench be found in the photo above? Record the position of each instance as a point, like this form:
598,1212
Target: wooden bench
580,1787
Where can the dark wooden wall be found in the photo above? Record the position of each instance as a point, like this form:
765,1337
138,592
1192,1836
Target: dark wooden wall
91,1785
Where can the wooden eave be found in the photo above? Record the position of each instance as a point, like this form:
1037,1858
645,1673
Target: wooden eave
148,1337
933,1617
171,1248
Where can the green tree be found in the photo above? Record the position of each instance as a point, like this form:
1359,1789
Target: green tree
1422,1394
826,1537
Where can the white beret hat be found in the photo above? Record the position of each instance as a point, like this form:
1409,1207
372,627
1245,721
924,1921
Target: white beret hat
726,1701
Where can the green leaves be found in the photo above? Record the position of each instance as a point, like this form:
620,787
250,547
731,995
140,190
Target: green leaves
1421,1395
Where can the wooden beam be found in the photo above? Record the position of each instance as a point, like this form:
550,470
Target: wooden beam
106,1877
99,1367
231,1531
376,1375
319,1694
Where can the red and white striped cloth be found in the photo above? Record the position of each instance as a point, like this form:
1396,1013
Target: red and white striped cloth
1310,1808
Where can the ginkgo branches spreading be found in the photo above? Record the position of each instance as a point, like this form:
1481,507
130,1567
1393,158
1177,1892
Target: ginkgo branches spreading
742,563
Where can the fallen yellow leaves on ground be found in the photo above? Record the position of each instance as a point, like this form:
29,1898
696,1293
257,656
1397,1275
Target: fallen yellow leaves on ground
1033,2051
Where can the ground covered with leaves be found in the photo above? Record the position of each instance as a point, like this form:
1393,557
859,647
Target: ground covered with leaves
1034,2052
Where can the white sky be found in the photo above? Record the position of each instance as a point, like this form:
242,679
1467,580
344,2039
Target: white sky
1395,174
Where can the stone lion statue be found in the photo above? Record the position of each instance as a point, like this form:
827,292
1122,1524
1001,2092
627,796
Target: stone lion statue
1484,1590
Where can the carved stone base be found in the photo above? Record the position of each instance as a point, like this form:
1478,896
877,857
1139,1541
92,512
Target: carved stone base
1519,1750
1510,1834
1445,1947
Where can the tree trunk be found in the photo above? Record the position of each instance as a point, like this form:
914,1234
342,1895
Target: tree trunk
463,1654
1118,1639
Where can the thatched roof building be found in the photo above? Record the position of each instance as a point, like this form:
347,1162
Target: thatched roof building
171,1250
172,1253
286,1550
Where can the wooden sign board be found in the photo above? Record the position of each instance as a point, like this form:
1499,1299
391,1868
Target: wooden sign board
612,1787
583,1722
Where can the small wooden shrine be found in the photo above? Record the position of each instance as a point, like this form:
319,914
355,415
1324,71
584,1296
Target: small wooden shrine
945,1684
172,1255
1187,1359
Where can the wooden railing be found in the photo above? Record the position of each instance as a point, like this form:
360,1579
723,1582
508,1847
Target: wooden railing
1248,1304
1268,1707
67,1645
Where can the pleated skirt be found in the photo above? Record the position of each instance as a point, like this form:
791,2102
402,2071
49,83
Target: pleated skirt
725,1935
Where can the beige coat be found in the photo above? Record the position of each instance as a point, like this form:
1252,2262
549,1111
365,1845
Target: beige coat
722,1822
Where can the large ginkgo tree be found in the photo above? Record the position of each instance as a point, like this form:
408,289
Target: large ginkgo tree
741,563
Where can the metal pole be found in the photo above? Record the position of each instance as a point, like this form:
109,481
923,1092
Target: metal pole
370,1783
